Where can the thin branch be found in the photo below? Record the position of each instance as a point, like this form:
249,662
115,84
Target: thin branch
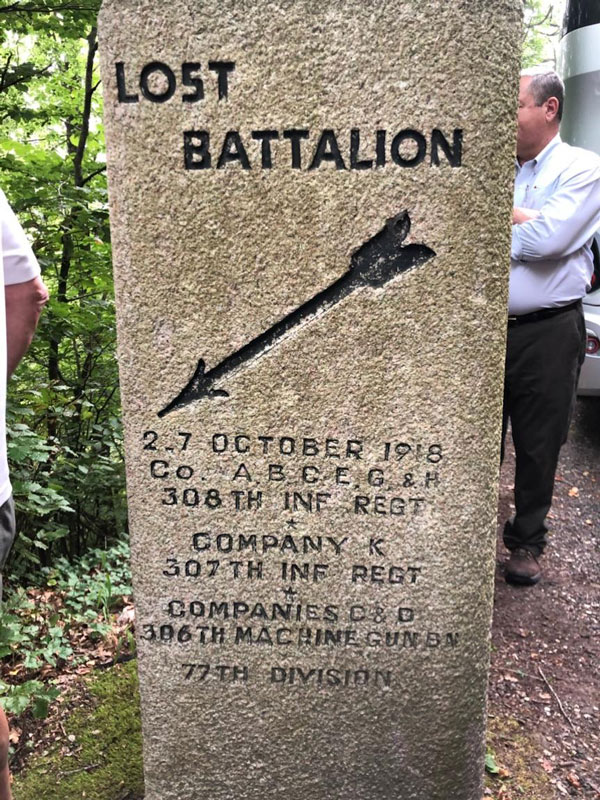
87,768
101,409
542,21
73,339
93,175
4,85
557,698
5,72
517,672
87,106
84,296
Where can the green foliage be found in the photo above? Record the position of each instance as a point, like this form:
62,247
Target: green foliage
490,763
96,581
30,694
106,758
541,32
38,625
65,440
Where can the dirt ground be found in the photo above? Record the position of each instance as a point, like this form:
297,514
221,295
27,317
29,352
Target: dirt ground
545,672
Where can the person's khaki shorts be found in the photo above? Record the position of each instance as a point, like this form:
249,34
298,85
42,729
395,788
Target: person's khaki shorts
7,533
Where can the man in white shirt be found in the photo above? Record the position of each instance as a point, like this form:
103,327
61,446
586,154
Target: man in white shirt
24,296
557,211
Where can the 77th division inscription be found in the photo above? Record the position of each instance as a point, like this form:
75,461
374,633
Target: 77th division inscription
310,212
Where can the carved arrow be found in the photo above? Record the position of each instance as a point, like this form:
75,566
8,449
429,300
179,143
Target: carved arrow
377,261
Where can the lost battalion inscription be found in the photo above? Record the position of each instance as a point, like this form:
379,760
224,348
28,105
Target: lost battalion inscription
303,149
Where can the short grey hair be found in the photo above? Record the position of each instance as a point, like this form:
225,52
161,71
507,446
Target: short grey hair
545,83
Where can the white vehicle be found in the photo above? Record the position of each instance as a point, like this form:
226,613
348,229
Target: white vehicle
579,67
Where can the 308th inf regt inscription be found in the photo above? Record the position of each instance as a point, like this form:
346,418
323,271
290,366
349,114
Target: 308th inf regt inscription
310,210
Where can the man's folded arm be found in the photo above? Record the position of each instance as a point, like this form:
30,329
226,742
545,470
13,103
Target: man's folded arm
521,215
565,222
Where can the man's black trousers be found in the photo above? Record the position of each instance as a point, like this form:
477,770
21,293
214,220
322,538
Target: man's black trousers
543,360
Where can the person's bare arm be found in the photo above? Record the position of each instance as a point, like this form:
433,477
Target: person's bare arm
521,215
24,303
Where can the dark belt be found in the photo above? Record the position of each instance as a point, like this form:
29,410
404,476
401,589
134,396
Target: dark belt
544,313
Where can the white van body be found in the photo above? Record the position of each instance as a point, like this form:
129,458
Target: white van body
579,67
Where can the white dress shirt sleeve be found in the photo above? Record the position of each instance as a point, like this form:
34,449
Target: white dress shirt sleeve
20,264
567,220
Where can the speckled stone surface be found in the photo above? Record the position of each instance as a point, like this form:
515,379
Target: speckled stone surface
313,554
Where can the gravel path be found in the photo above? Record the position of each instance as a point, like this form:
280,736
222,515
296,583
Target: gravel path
546,639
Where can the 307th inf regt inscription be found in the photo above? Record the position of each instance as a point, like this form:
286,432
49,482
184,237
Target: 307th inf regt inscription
310,210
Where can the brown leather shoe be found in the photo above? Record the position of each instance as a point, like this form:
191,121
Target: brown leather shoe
522,568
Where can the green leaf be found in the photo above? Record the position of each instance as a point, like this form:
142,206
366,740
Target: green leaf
490,764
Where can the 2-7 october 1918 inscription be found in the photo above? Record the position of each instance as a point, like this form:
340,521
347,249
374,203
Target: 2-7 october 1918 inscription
393,478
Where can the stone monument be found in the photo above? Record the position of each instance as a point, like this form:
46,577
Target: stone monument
311,208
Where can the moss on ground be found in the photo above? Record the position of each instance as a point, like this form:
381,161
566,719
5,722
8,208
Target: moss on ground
106,759
516,755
